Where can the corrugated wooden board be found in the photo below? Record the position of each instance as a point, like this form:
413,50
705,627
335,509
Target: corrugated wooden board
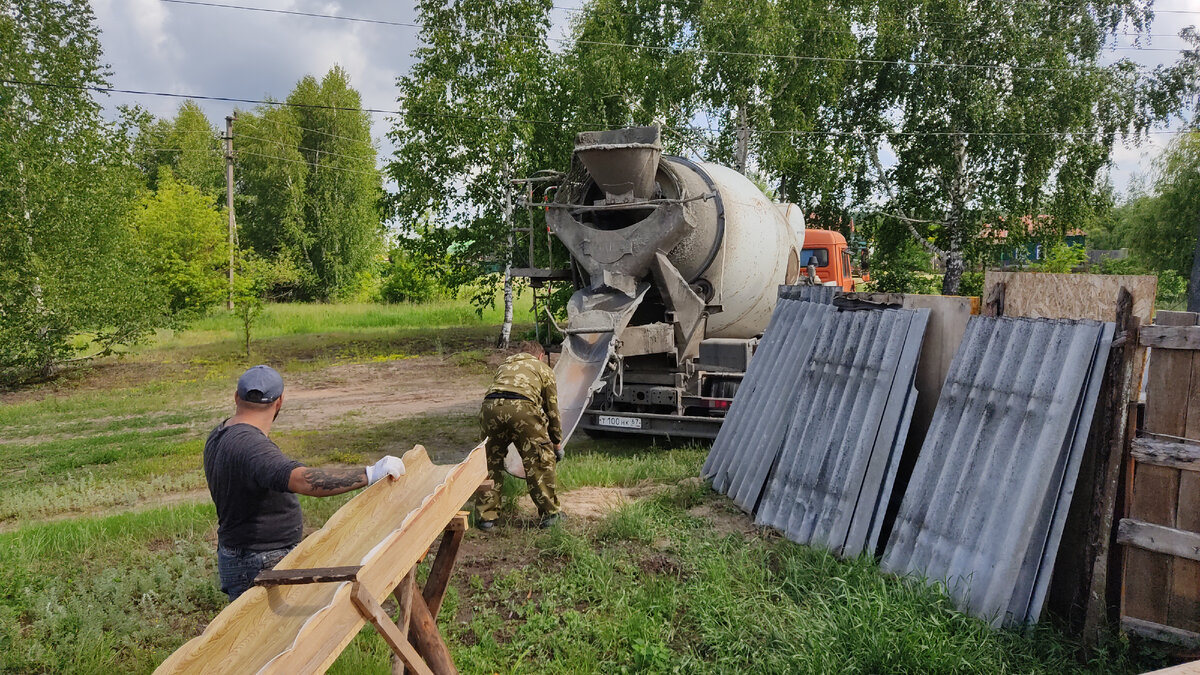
1072,296
301,629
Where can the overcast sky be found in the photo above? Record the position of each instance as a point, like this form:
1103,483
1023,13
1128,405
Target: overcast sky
155,46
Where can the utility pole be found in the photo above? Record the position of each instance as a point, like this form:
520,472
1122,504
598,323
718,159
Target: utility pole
229,198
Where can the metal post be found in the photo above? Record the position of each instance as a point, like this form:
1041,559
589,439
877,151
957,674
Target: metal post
229,198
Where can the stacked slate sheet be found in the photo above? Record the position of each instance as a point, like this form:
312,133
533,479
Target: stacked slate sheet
813,437
834,472
765,403
809,292
988,499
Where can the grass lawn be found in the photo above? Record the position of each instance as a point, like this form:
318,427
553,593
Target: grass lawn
107,536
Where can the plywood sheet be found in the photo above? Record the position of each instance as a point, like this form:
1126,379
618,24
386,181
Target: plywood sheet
301,629
948,316
1072,296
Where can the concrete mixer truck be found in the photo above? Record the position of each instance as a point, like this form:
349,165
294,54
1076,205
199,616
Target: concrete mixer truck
676,266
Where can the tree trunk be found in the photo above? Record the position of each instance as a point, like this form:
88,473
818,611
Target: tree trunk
954,272
506,327
1193,293
743,140
959,189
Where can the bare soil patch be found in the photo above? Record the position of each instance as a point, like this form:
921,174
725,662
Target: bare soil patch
372,393
590,503
724,519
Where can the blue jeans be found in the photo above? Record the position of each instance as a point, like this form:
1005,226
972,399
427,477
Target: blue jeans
237,567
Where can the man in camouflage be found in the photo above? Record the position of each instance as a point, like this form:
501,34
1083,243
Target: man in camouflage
521,408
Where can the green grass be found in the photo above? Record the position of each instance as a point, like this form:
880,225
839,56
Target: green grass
652,588
657,586
283,319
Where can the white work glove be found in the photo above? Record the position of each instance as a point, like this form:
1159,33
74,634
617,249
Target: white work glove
388,466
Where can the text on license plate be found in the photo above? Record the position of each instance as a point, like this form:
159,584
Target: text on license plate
622,422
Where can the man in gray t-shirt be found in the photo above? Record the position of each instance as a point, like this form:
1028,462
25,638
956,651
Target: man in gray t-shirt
254,485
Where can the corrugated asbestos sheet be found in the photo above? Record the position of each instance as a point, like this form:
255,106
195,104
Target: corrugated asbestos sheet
834,471
988,499
821,294
814,435
758,418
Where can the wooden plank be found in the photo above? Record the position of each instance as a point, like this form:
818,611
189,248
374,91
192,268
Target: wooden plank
1094,592
1184,456
1147,573
1184,608
1191,668
1166,317
1157,631
1071,296
993,302
1191,424
372,612
1171,337
425,635
386,528
403,595
1168,383
1159,538
315,575
1167,388
1155,494
443,565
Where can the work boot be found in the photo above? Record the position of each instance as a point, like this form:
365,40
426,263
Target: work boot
486,525
553,519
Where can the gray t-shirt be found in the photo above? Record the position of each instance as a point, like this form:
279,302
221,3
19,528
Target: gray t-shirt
248,480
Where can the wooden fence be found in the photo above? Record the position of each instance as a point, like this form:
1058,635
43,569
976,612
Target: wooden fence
1160,594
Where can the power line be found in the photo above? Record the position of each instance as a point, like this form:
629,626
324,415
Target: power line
299,147
309,164
256,123
603,43
593,125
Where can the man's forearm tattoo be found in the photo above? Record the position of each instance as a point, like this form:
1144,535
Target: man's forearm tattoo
334,480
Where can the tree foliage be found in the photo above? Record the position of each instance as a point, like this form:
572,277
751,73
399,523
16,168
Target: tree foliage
184,240
1161,227
944,115
68,265
1012,112
187,144
481,106
308,191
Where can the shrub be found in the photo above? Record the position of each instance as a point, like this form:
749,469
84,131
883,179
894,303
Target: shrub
406,280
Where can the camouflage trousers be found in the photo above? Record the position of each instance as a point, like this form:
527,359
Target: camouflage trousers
523,424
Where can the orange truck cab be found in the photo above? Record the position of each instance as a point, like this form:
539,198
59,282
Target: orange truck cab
831,255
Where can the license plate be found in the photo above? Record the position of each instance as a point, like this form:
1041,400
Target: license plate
619,422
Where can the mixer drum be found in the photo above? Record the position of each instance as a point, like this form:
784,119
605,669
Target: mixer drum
727,240
758,251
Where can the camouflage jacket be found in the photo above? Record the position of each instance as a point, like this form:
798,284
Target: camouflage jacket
526,375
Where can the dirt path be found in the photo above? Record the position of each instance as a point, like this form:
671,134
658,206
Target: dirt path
371,393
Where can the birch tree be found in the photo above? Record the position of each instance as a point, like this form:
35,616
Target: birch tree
994,111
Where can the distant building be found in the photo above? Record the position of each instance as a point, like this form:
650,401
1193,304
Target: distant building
1028,242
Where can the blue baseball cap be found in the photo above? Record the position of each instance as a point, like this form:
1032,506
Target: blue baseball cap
260,384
